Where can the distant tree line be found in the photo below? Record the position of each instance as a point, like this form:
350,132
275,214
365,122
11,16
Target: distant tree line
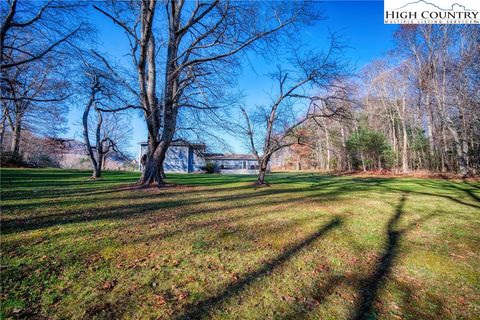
418,108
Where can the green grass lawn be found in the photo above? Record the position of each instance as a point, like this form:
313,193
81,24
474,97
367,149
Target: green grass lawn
309,246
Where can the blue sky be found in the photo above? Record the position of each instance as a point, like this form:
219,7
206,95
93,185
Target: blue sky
360,23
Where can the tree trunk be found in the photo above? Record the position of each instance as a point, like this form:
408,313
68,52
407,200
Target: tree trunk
2,134
327,140
405,139
261,176
97,170
104,161
17,134
320,155
431,134
405,150
152,173
459,144
345,161
363,161
262,170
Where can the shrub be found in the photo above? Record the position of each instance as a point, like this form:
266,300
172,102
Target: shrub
45,161
210,167
9,158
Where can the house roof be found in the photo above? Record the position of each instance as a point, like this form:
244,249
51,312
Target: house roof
180,143
230,156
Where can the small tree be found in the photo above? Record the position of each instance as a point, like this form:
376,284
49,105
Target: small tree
280,121
370,148
110,133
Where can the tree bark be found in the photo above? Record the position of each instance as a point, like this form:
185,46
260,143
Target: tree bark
327,140
431,134
459,148
95,165
17,133
363,161
405,139
152,174
262,170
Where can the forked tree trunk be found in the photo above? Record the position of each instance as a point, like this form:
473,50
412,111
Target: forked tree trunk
262,171
261,176
152,173
96,162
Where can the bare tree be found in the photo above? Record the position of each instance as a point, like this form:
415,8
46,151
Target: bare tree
34,100
201,38
105,94
35,38
283,118
388,89
33,30
110,134
416,109
439,54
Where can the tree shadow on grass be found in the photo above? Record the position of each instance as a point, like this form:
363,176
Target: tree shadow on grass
204,307
369,291
322,190
157,202
371,285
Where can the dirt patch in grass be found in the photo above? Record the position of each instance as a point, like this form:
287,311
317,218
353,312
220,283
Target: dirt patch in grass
413,174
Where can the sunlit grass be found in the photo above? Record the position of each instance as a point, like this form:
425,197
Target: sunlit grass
310,246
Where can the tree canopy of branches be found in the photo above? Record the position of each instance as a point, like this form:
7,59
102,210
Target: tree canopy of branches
197,44
106,96
35,42
296,102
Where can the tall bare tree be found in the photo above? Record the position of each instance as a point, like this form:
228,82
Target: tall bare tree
198,40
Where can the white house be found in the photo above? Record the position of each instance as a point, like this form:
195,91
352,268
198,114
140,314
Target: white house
234,163
186,157
181,156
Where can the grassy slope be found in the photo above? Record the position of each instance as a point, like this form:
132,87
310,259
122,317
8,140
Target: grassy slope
310,246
